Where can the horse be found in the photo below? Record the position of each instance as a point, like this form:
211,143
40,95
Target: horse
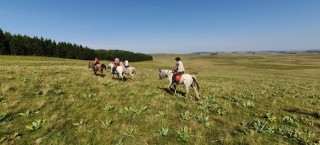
96,68
186,79
131,71
120,71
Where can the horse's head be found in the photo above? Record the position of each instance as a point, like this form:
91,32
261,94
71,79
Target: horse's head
110,65
103,67
89,65
162,74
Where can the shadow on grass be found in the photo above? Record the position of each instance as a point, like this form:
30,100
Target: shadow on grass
171,91
299,111
116,78
102,75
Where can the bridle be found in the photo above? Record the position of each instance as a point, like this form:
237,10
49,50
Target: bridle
109,65
163,74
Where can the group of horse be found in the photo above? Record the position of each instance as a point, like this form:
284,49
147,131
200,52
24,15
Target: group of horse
186,79
120,71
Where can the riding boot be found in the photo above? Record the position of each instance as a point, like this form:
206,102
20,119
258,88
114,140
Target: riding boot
114,70
174,80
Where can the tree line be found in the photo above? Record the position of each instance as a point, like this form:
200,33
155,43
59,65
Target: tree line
122,55
33,46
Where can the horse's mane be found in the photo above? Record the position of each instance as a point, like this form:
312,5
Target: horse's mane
167,71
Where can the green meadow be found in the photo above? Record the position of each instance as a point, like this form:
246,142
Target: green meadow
263,98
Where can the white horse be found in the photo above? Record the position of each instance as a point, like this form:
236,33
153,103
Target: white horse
131,71
120,71
186,79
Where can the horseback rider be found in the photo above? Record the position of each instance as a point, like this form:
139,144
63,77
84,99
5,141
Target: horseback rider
96,61
179,70
126,63
116,64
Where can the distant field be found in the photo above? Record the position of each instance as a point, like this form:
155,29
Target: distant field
246,99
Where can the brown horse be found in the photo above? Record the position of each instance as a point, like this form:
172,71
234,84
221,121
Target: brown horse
97,68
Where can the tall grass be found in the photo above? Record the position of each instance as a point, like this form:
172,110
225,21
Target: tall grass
246,99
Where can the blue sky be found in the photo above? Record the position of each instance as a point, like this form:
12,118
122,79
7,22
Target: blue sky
169,26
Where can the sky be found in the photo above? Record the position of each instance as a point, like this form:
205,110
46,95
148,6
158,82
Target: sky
169,26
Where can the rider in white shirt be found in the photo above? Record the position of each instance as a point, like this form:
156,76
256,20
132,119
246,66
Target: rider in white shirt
179,69
126,63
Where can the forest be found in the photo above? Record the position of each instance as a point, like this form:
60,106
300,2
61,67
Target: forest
24,45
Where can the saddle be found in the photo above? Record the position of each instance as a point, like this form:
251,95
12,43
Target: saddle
96,66
178,78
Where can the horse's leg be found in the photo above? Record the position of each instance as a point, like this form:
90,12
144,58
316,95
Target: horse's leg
134,72
196,90
123,75
170,84
102,74
175,89
187,89
130,73
119,76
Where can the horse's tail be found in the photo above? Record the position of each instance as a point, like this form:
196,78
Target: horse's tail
195,82
134,71
103,67
89,65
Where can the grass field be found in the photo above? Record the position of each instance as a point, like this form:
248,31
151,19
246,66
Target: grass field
246,99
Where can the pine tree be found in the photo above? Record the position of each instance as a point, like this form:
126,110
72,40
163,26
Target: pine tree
17,45
2,43
8,38
50,47
28,45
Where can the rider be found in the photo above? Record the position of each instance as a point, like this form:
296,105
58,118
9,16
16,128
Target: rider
116,63
179,69
126,63
96,60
